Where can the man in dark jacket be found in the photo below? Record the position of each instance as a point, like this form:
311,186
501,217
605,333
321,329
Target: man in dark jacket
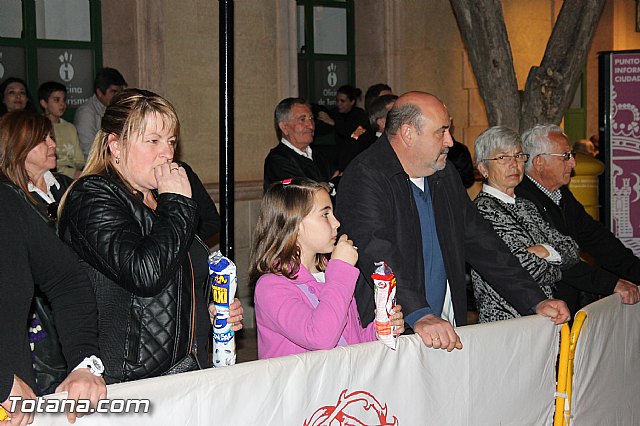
399,203
293,157
548,173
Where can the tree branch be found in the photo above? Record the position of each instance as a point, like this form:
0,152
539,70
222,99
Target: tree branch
485,36
551,86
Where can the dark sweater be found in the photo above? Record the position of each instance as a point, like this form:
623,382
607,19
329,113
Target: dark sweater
31,255
282,163
570,218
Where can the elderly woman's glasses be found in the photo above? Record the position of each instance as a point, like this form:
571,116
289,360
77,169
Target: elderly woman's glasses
566,156
506,159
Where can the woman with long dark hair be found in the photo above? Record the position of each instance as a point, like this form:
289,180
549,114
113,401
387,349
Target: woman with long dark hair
15,96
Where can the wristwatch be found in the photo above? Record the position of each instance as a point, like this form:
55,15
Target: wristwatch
93,363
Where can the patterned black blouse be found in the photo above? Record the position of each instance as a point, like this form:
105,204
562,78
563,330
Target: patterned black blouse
520,226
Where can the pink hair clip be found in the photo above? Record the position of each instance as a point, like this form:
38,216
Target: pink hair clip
287,181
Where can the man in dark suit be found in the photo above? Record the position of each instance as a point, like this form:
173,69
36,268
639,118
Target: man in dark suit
548,173
293,157
400,204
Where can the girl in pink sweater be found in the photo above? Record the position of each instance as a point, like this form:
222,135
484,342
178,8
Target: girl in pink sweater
304,302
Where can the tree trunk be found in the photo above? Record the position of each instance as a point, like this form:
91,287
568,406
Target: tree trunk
551,86
485,36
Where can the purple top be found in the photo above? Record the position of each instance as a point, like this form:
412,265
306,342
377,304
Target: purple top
289,324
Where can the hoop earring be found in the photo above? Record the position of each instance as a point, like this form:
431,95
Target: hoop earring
117,160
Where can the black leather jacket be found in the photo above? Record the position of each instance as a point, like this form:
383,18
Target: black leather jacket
140,266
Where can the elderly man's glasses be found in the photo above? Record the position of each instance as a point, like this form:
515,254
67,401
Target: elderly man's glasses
566,156
506,159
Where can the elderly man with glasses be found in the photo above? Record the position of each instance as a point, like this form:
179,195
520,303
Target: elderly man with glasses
548,173
541,250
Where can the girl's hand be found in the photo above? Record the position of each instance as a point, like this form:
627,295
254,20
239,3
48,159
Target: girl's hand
235,314
345,251
397,320
172,178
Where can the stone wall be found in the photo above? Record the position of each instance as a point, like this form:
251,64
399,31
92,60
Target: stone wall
171,47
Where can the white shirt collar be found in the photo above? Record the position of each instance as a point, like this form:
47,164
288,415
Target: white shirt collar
50,181
419,182
306,153
498,194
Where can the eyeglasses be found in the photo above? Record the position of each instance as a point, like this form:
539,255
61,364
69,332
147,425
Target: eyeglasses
52,211
506,159
566,156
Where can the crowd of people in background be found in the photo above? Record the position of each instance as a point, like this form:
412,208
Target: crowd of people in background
139,305
397,200
106,230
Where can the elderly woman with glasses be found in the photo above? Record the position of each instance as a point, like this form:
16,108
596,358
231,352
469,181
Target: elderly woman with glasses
541,250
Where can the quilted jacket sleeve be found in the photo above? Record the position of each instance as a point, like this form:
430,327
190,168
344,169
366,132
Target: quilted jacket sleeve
109,229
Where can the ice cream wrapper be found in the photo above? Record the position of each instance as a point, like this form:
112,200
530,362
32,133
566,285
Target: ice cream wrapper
223,288
384,285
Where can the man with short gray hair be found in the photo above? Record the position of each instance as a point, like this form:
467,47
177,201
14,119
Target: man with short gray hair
378,112
548,172
293,157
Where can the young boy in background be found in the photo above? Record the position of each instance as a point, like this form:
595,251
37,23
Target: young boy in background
52,96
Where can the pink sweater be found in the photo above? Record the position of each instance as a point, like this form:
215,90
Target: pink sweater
289,324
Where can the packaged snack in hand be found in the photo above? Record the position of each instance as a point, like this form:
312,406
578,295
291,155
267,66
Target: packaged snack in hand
223,289
384,286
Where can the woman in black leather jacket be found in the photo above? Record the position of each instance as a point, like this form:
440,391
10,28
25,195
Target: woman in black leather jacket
132,218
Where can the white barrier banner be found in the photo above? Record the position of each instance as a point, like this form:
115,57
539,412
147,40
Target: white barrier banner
505,374
606,385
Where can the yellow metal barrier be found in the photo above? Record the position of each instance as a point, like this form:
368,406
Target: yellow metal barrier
568,342
561,387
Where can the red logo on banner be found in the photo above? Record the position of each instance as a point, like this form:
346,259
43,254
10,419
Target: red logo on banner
363,409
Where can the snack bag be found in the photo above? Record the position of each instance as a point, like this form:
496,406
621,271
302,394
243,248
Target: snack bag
223,289
385,298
